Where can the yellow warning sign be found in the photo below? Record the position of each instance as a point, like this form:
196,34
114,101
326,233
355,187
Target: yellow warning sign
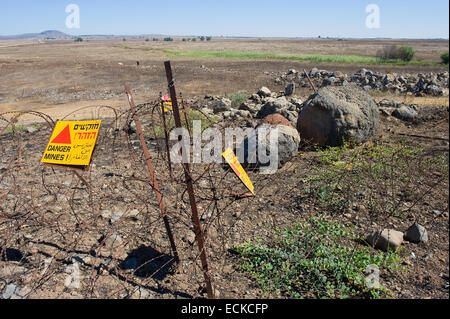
72,143
232,160
166,104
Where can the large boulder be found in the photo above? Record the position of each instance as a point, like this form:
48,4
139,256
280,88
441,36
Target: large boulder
337,114
260,142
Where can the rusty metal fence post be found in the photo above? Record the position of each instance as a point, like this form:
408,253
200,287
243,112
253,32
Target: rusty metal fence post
152,173
190,188
166,134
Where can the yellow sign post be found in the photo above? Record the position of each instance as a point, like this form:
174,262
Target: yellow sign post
232,160
72,143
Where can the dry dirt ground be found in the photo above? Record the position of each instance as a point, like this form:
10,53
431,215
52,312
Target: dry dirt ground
64,76
111,230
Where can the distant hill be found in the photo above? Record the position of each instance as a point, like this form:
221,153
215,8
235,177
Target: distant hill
49,34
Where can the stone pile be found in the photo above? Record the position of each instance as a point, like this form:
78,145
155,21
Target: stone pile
420,84
258,106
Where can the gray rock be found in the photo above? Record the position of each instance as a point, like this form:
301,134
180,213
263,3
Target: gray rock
416,234
117,215
264,92
296,102
21,293
256,98
244,114
292,116
190,237
290,89
113,241
434,90
314,72
405,113
273,106
288,141
386,239
329,81
337,114
226,115
221,106
133,214
9,291
106,214
31,129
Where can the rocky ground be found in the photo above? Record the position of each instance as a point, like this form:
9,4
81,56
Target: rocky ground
108,233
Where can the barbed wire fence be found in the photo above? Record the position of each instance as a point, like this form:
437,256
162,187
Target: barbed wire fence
102,235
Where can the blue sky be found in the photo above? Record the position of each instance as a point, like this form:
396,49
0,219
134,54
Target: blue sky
283,18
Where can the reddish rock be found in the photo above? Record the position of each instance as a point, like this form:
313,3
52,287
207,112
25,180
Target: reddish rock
276,119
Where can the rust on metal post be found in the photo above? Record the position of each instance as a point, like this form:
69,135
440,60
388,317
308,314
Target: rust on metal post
152,174
185,115
190,188
310,82
166,135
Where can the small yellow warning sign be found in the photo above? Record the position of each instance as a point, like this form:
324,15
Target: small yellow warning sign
166,104
232,160
72,143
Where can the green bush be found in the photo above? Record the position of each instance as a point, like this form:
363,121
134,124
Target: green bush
407,53
394,52
238,98
79,40
311,260
444,58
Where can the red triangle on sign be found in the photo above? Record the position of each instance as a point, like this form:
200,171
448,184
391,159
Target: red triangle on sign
63,137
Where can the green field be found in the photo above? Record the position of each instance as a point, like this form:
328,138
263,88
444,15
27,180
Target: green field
347,59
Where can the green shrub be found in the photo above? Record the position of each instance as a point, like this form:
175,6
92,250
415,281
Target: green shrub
394,52
311,260
406,53
79,40
238,98
444,58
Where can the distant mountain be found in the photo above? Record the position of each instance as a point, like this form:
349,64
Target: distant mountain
49,34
